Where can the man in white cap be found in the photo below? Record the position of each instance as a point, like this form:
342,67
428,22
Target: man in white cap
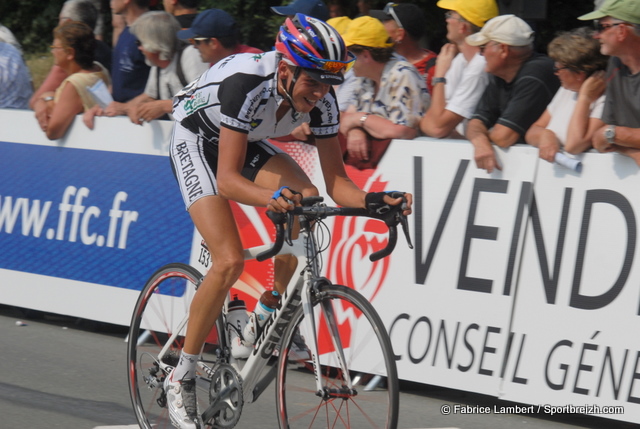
459,79
617,25
520,88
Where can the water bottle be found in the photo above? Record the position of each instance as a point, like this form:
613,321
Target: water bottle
237,319
264,309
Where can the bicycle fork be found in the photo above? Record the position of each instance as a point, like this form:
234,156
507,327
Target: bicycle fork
310,325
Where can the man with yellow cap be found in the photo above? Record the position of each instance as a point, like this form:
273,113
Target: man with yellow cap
617,25
521,85
459,78
390,97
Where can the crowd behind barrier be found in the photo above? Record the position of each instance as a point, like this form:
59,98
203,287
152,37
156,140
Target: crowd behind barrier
523,283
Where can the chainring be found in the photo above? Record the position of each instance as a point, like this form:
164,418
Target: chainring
225,398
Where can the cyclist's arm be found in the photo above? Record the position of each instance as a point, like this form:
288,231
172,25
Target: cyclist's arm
340,188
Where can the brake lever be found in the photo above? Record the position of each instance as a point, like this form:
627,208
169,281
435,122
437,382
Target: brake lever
289,230
405,228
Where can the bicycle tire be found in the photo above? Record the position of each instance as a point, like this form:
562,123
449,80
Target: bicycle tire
162,304
368,353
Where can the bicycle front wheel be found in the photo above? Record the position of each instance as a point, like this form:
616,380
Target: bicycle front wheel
361,339
161,312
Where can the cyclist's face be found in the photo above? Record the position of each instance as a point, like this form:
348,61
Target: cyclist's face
306,91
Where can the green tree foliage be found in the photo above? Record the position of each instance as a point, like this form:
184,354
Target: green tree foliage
32,21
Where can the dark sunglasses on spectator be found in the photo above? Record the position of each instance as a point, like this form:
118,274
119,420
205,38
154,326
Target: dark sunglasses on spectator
198,40
600,27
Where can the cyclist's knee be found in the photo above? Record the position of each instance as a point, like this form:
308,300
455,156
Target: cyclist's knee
309,191
230,268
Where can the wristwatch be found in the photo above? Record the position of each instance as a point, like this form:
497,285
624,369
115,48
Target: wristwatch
610,134
436,80
363,118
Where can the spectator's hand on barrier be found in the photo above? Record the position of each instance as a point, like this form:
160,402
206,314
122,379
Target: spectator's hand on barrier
42,111
303,133
600,142
548,146
115,109
593,87
444,59
87,117
147,111
358,144
485,158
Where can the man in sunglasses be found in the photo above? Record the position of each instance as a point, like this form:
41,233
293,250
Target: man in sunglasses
459,77
215,34
521,85
617,25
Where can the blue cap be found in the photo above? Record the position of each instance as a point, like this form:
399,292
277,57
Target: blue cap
314,8
210,23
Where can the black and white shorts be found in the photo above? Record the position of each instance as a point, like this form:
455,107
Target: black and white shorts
195,163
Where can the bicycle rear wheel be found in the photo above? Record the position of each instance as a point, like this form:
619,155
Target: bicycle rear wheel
373,400
159,313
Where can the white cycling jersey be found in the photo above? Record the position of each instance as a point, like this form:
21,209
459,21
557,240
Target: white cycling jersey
240,93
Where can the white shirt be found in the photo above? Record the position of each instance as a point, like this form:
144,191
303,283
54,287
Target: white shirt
466,82
561,109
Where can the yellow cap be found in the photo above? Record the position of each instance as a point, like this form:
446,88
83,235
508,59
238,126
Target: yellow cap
367,31
476,12
340,23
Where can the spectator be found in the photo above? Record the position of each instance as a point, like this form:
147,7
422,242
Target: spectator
129,70
364,7
174,66
214,34
7,36
406,25
337,8
314,8
185,11
574,113
459,77
80,11
520,88
390,99
618,31
15,80
73,50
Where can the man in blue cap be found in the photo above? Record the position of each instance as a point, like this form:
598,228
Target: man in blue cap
214,33
617,24
314,8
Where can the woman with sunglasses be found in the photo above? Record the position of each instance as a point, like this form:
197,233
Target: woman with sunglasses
219,152
572,117
73,51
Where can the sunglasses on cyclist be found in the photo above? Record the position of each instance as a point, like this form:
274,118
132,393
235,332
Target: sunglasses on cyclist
331,66
388,9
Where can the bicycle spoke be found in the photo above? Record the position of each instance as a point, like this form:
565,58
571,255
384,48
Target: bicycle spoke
364,351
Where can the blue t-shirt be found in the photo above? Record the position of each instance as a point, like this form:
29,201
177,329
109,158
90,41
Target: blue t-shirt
129,72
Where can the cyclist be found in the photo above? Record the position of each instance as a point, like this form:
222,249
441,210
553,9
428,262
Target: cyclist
219,152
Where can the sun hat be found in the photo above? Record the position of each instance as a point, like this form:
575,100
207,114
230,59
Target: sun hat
367,31
624,10
210,23
340,23
507,29
477,12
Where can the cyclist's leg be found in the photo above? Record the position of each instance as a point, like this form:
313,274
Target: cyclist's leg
214,220
282,170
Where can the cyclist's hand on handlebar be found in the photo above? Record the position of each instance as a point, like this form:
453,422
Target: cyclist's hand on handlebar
284,199
380,202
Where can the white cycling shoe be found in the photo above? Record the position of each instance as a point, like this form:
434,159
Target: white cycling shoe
182,403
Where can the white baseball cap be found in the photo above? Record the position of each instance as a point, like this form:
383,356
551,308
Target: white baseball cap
507,29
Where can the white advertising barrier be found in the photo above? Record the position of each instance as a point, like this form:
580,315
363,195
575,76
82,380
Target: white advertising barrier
522,283
576,315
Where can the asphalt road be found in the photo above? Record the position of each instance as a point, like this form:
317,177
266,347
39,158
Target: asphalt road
61,372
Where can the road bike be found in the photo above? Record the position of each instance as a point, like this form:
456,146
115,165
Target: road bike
348,379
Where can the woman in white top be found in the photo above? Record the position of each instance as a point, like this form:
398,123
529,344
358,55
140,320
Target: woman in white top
574,113
73,51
